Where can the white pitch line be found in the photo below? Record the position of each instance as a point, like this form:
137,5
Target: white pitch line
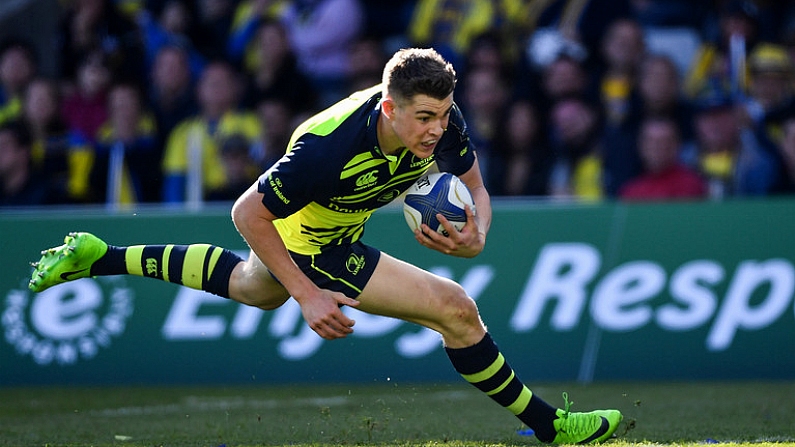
207,403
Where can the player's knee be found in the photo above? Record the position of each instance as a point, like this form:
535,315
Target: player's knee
252,286
264,301
459,308
459,319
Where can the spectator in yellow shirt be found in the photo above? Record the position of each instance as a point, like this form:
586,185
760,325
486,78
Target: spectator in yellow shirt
192,163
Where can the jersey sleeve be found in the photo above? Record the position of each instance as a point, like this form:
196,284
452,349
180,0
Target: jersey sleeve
457,153
288,185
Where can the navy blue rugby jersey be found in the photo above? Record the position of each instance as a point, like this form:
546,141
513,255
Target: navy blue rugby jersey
334,175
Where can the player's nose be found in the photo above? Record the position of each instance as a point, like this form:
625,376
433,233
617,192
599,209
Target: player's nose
437,129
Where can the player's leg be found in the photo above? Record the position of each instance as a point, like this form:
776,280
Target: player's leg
251,283
401,290
199,266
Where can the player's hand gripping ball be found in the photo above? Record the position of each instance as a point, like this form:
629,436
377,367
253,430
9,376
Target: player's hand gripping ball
437,193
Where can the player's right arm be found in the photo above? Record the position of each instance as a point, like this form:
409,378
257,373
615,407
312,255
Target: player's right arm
320,307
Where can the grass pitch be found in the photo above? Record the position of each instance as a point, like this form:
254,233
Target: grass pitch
454,415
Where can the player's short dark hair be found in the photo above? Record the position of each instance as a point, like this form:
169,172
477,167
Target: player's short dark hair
418,71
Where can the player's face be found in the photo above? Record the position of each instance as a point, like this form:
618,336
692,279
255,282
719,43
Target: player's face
420,123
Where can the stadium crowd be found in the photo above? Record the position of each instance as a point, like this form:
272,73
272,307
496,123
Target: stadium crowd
177,101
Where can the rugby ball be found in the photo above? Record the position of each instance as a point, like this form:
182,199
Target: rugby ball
437,193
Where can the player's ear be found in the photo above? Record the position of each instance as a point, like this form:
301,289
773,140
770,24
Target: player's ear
388,107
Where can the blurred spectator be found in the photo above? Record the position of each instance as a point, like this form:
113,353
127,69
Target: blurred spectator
278,122
771,80
130,8
564,77
17,68
787,151
276,72
96,25
456,28
721,59
548,45
172,28
656,95
239,169
788,29
321,33
86,108
568,27
659,93
299,55
486,51
41,113
171,91
192,163
213,25
367,62
575,139
451,27
727,154
483,101
388,21
521,162
669,13
770,94
243,44
622,50
60,156
125,169
664,177
19,184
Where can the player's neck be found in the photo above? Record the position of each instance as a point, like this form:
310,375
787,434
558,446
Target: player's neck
388,140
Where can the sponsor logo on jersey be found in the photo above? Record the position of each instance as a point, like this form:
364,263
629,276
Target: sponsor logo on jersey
367,180
415,163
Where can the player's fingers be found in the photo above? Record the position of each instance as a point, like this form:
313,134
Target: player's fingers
347,324
338,319
341,326
423,234
453,237
324,331
346,301
343,322
333,328
448,227
470,212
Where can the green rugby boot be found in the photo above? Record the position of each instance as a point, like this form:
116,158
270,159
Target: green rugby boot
585,428
72,260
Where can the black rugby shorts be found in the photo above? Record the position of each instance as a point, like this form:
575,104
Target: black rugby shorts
341,268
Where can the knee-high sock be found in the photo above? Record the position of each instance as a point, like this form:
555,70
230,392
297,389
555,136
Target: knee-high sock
483,366
199,266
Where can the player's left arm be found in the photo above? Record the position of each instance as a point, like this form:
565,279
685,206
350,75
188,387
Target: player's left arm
471,240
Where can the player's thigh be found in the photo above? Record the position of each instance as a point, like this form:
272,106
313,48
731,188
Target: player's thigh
401,290
253,284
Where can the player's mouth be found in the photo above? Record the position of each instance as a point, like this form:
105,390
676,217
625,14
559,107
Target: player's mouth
428,145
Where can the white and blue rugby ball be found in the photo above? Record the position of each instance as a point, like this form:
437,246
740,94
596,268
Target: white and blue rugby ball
437,193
